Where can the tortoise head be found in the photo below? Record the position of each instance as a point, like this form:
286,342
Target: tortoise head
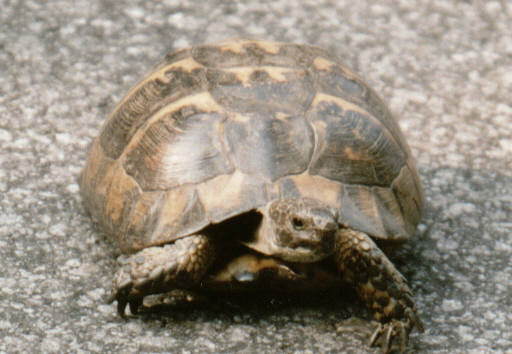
296,230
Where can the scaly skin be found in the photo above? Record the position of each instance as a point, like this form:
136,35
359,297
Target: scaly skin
184,263
380,285
156,270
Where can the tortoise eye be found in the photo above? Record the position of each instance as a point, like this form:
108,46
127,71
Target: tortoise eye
298,224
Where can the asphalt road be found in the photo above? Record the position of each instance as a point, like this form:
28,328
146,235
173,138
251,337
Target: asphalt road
444,67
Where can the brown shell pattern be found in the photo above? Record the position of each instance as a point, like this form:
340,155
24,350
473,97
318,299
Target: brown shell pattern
217,130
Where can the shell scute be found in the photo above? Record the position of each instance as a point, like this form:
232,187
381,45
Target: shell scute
357,210
248,52
217,130
179,148
266,146
407,190
170,83
335,80
144,218
181,213
228,195
260,89
353,148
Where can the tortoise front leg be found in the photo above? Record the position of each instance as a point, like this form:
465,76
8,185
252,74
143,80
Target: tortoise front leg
380,285
156,270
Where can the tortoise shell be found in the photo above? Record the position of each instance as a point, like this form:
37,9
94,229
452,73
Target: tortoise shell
218,130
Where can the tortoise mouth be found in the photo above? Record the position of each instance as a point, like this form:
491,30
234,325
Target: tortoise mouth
303,254
309,249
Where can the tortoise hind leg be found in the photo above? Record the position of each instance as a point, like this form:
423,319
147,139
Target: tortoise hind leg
380,285
156,270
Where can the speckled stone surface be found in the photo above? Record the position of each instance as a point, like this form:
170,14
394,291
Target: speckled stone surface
444,67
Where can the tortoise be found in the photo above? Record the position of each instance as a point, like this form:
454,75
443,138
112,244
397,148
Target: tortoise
247,157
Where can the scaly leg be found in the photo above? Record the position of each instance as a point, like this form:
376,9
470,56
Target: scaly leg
380,285
156,270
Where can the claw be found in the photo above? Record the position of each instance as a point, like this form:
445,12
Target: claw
375,335
135,304
386,341
403,338
122,298
391,332
121,306
414,319
418,323
121,295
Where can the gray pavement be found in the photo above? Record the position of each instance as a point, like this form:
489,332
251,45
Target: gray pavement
445,67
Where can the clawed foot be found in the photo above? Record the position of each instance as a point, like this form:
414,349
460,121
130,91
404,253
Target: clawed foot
144,274
396,331
124,293
156,270
122,300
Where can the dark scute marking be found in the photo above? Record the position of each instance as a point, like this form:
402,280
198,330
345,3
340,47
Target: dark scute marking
409,198
130,198
390,212
337,81
215,56
175,56
126,241
340,82
129,117
139,233
144,102
183,83
351,213
353,149
373,104
263,145
193,217
262,92
94,201
182,147
288,55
